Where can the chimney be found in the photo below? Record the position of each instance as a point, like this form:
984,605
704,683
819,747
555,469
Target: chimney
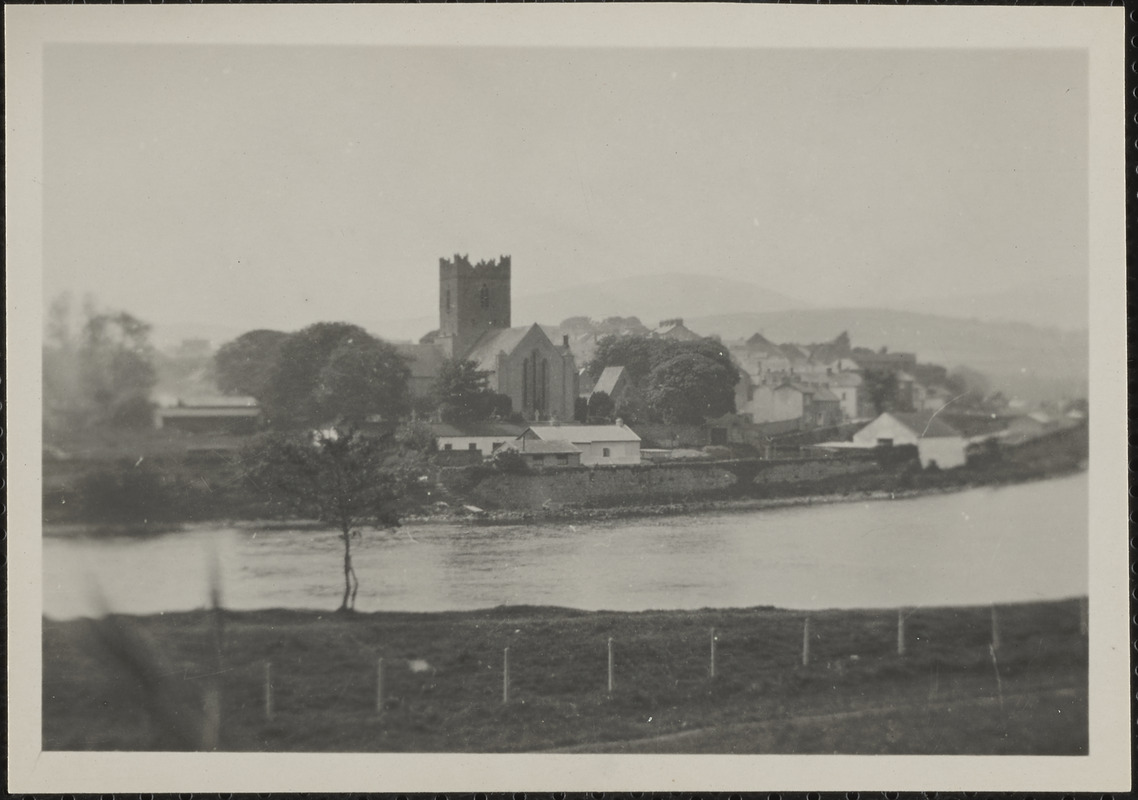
564,340
619,422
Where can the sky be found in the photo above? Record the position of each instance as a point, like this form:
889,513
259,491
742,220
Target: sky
275,186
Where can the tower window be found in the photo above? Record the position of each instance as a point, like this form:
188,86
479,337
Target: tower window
448,299
484,296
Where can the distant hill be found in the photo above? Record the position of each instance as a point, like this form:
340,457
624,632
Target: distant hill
1032,362
651,298
1055,305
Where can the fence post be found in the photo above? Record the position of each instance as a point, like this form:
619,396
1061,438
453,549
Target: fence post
712,670
506,676
995,630
379,686
806,642
268,690
900,631
211,717
610,665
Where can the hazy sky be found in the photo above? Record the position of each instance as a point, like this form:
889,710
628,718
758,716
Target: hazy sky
281,185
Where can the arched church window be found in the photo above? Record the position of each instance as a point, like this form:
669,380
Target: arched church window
484,296
525,383
448,299
544,385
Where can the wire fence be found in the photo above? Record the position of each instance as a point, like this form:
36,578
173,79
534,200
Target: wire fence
377,683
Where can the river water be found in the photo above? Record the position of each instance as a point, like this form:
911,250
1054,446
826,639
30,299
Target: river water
986,545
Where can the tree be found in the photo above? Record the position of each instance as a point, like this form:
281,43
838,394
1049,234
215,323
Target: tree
637,354
463,393
245,365
116,370
338,476
363,378
600,407
881,388
331,370
690,387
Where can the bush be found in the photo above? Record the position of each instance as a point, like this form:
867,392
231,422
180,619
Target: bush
125,493
510,462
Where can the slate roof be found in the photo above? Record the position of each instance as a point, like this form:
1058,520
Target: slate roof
764,345
496,340
825,395
926,424
503,429
584,433
543,446
607,381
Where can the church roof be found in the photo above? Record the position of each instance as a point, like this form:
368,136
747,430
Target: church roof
496,340
425,359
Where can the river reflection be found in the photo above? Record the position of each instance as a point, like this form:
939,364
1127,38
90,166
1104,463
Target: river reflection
984,545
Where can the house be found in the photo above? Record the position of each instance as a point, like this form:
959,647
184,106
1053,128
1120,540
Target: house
675,329
847,386
483,437
614,382
937,442
758,355
232,415
539,453
599,444
823,407
539,376
814,405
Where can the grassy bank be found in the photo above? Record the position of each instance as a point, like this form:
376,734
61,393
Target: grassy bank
145,682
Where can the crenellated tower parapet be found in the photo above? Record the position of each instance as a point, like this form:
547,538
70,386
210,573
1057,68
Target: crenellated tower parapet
473,298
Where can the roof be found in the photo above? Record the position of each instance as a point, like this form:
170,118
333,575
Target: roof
426,359
825,395
926,424
584,433
543,446
497,340
214,401
468,429
608,379
208,411
760,343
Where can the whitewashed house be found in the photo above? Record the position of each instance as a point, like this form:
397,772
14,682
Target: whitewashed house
937,441
599,444
485,437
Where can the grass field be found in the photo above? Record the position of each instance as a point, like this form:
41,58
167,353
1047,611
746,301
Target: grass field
144,683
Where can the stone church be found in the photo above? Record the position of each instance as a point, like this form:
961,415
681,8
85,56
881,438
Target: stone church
539,377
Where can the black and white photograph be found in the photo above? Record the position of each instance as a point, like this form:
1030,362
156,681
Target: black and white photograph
422,399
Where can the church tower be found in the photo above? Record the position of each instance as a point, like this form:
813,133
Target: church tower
473,298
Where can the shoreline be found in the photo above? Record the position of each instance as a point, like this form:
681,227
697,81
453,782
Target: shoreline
494,517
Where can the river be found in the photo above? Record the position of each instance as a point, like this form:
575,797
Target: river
986,545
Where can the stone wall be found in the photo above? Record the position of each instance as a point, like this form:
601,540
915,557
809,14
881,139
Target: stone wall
647,484
807,470
601,486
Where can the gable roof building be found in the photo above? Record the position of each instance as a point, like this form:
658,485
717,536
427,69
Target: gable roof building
937,442
599,444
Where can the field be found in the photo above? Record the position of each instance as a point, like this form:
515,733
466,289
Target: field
305,681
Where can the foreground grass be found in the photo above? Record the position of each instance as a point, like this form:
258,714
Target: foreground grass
442,684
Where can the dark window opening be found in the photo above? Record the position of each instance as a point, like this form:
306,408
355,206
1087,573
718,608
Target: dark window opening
484,296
